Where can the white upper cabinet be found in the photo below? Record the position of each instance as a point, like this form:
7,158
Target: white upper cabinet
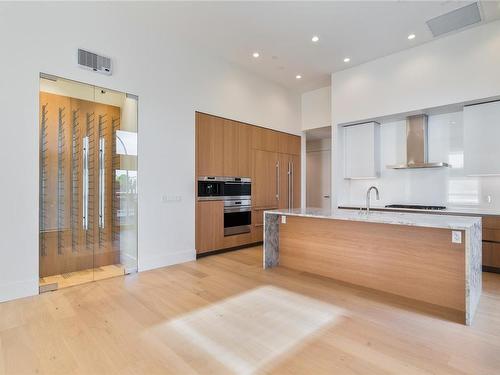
362,151
482,139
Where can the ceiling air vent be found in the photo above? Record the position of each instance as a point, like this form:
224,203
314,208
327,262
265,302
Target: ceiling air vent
455,20
95,62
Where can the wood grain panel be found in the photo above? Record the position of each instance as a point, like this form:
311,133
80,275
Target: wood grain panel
209,145
418,263
209,226
491,254
296,180
284,186
230,149
264,179
288,144
491,234
264,139
491,222
244,154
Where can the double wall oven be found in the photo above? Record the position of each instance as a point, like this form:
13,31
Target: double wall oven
236,192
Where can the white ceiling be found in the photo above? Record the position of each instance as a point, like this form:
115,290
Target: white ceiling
281,32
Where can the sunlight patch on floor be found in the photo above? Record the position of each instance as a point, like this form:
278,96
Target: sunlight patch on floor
248,331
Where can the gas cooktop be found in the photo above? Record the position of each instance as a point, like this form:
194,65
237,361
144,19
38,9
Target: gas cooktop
415,207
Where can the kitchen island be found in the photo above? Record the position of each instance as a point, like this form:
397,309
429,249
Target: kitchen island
434,259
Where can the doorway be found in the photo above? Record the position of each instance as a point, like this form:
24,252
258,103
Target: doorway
318,167
88,183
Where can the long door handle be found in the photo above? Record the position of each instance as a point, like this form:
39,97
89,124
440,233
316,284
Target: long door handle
102,181
288,192
85,182
278,180
291,184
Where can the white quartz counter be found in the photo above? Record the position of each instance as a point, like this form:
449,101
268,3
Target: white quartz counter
397,218
466,211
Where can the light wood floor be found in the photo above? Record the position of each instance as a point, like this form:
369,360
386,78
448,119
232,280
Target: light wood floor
224,314
83,276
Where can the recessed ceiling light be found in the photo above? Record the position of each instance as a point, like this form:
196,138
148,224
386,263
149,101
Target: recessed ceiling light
298,76
347,59
315,38
255,54
411,36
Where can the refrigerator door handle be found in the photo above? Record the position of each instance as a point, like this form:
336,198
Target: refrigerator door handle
278,180
291,184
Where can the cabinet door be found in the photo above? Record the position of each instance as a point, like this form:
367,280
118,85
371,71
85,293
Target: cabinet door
491,254
210,145
288,144
284,181
244,150
361,151
296,180
209,226
264,184
231,149
481,135
264,139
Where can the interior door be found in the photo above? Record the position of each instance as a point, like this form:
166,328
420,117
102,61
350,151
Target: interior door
88,186
318,179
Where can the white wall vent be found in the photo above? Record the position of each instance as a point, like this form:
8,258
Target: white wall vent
93,61
455,20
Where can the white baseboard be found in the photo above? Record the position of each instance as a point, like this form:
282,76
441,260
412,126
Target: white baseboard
18,289
149,263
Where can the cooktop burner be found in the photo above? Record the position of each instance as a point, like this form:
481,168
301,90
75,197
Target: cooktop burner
415,207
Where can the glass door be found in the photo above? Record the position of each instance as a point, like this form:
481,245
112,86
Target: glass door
88,183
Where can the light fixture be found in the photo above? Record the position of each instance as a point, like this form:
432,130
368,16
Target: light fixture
298,76
347,59
315,38
411,36
255,54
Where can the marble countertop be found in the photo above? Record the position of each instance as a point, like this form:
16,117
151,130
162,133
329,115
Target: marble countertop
397,218
448,211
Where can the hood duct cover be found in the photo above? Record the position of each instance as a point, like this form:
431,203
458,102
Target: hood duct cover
417,145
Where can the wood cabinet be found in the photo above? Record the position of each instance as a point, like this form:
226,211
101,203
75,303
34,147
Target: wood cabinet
491,255
481,134
491,243
264,139
361,151
288,144
244,154
265,179
230,148
289,181
209,226
209,145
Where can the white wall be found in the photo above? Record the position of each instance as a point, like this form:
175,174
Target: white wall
171,79
454,69
436,186
316,108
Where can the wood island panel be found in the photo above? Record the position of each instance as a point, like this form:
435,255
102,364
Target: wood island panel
416,262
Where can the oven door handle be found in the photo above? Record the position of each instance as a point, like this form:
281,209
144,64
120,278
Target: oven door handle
237,209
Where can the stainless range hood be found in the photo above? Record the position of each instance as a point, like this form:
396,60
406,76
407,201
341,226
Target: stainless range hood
416,145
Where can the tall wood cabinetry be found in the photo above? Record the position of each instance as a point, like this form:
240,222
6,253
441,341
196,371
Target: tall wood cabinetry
228,148
276,174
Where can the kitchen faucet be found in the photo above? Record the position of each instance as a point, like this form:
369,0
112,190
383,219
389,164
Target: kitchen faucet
368,197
